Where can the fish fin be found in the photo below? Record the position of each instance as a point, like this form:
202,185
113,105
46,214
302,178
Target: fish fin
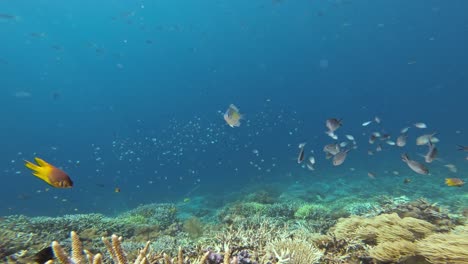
41,162
31,166
404,157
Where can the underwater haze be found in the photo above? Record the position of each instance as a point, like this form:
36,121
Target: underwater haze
128,98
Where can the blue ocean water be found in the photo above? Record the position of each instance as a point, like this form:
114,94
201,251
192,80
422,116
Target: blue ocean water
130,95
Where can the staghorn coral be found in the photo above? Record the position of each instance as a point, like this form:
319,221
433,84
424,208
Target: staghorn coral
311,211
114,248
300,251
441,248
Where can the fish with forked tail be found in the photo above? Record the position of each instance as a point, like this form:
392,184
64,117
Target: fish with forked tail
414,165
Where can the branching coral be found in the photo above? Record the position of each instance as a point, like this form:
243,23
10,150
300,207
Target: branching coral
301,251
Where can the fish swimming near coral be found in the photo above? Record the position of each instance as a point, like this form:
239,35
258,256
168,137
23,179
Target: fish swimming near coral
454,182
414,165
52,175
431,153
232,116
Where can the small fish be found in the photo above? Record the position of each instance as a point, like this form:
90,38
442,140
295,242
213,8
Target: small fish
370,153
232,116
349,137
332,135
454,182
333,124
366,123
186,200
462,148
406,180
401,140
7,16
431,154
311,160
378,148
404,130
300,157
343,144
424,139
377,119
420,125
372,139
117,190
55,177
390,142
43,256
371,175
340,157
332,149
414,165
451,168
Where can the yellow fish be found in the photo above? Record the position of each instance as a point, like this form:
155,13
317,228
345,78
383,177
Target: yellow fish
55,177
454,182
232,116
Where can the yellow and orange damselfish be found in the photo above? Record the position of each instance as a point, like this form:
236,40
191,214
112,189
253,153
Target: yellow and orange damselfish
54,176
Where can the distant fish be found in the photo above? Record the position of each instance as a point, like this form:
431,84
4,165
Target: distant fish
377,119
340,157
390,142
431,153
371,175
462,148
55,177
404,130
333,124
424,139
454,182
406,180
332,149
22,94
401,140
451,168
414,165
300,157
349,137
420,125
232,116
7,16
332,135
366,123
311,163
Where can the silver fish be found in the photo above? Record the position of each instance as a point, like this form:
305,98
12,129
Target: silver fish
333,149
404,130
414,165
300,157
431,154
420,125
424,139
340,157
366,123
401,140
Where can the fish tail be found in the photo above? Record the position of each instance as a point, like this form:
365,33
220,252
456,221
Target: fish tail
41,162
404,157
32,166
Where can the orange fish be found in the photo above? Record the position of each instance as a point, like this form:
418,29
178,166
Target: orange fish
454,182
55,177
